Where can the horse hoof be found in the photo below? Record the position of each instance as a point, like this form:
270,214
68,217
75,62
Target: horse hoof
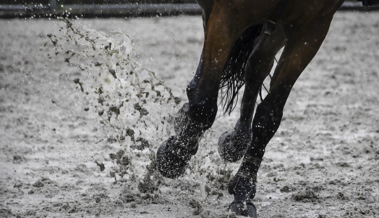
232,148
243,209
170,163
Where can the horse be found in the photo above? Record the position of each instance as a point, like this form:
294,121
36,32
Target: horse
241,40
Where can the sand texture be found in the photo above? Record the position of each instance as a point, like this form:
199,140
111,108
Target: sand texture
60,158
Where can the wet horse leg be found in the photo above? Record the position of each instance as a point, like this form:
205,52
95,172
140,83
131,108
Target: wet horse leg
299,50
174,154
232,145
199,114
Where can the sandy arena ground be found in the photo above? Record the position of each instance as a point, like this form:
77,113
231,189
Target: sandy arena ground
58,160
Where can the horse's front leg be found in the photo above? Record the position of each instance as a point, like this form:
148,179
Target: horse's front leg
199,114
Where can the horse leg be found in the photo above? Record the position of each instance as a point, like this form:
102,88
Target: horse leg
199,114
232,145
174,154
299,50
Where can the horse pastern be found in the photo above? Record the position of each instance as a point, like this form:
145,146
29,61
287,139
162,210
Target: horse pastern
243,187
232,146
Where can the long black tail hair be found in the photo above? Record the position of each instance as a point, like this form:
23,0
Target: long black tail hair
233,78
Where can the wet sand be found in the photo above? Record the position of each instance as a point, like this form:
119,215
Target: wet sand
323,161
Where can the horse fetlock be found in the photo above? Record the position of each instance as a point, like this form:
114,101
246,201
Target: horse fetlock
243,187
232,146
175,153
188,131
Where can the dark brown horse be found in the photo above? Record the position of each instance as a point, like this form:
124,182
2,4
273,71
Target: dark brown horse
242,38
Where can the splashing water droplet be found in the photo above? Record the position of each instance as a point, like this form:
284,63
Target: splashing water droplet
127,98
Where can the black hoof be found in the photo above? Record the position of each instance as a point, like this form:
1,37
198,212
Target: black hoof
172,161
231,147
243,208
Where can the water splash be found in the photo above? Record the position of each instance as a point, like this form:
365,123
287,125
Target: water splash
128,98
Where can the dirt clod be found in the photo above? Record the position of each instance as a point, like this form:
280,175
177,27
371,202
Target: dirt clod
305,196
197,206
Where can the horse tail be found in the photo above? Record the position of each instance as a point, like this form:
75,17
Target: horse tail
233,78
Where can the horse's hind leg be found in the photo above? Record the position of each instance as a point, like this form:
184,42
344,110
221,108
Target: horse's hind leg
300,48
232,145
